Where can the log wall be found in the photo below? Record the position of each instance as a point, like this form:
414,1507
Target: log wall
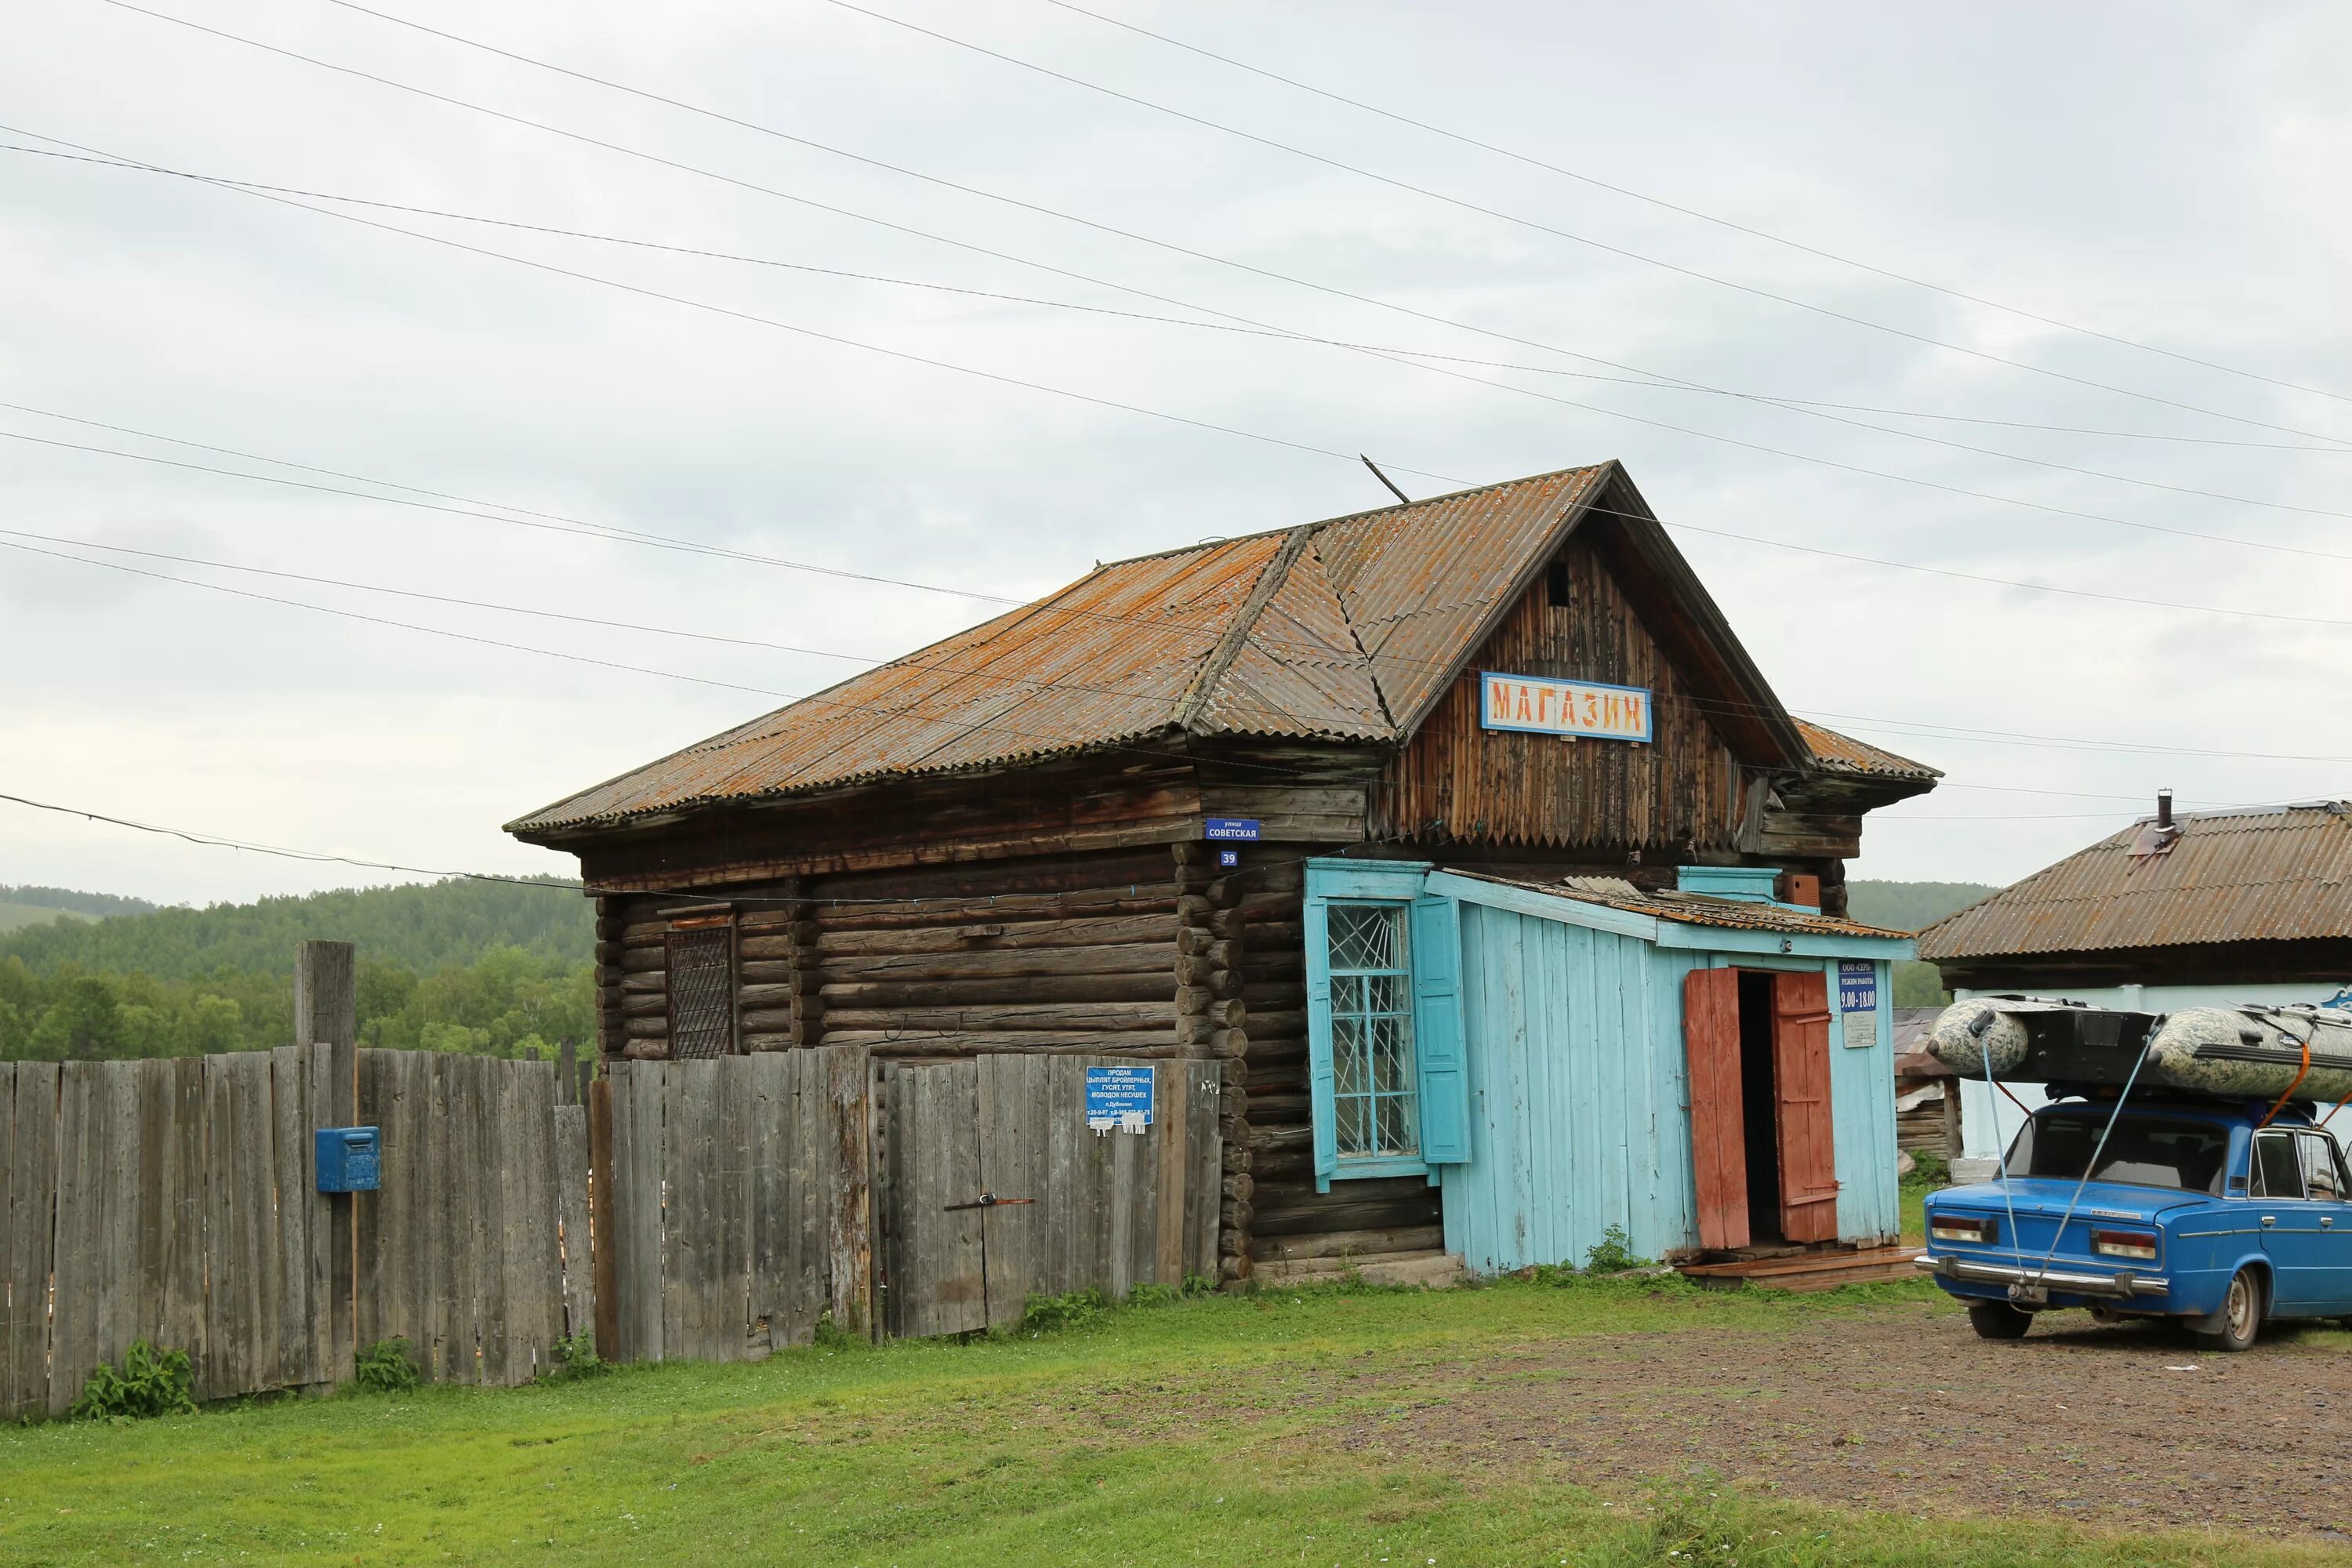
1272,1212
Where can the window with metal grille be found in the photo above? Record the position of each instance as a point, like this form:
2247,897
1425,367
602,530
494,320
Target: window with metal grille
703,993
1375,1086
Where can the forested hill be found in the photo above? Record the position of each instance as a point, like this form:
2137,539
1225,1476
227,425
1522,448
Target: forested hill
421,927
1910,906
71,901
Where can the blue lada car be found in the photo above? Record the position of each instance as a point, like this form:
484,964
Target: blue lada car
2197,1212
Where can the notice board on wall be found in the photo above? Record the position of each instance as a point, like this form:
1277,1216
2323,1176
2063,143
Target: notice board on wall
1858,1003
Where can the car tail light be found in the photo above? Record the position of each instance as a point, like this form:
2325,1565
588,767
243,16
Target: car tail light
2136,1244
1961,1227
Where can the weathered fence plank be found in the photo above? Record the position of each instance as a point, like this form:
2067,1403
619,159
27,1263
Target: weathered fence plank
293,1188
74,1334
184,1323
30,1237
10,1285
936,1282
572,1180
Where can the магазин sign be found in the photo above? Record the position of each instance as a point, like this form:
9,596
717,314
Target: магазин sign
1541,706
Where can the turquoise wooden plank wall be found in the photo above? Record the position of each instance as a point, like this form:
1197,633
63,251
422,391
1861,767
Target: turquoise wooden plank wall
1576,1117
1862,1096
1579,1096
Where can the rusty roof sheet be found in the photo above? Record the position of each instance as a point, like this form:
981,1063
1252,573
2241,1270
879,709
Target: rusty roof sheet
1342,630
1839,753
2271,875
1689,909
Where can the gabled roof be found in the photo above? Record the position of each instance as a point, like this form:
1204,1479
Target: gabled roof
2271,875
1345,630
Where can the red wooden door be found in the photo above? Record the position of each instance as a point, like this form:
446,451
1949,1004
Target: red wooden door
1718,1150
1800,1081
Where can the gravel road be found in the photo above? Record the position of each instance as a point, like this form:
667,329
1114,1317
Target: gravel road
1906,1407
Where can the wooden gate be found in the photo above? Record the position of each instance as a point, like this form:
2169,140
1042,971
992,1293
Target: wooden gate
1719,1128
1800,1080
1110,1210
739,1202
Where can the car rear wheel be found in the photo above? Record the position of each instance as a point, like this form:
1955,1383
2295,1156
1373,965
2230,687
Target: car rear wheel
1998,1321
2240,1315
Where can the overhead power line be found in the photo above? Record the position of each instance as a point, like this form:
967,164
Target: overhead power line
218,841
1924,729
1432,194
929,179
1628,191
2043,508
1237,326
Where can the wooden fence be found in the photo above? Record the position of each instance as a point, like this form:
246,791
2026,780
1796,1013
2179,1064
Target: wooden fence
737,1201
176,1201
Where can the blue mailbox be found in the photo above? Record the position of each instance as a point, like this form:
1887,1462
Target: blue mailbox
350,1159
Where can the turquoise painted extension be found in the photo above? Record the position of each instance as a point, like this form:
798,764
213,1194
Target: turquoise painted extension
1571,1052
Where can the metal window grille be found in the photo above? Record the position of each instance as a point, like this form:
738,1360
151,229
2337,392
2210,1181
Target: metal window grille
703,993
1375,1088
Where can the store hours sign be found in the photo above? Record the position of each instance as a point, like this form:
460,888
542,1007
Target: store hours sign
1538,705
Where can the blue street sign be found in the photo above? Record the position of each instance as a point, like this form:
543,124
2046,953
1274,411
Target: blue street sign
1241,827
1229,857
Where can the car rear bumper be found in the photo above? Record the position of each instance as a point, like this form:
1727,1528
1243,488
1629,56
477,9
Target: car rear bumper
2123,1285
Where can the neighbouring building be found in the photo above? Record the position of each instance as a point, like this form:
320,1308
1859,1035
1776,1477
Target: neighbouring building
1458,846
2180,909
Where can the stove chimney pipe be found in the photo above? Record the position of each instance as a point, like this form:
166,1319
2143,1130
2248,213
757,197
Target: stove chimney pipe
2164,808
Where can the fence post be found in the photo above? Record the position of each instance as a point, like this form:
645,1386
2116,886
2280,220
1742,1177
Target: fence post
604,1264
326,1012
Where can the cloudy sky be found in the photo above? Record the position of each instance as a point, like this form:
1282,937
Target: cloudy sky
2169,175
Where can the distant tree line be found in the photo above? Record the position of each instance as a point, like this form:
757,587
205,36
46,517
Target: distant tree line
1913,906
456,965
508,1003
425,927
78,903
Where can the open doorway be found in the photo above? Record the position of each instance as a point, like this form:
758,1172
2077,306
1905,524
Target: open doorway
1759,1120
1763,1146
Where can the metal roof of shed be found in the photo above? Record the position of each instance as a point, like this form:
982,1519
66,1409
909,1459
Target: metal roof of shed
2273,875
1689,909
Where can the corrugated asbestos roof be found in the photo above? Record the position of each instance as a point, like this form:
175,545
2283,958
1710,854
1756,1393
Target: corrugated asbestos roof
1688,908
2243,875
1844,755
1343,630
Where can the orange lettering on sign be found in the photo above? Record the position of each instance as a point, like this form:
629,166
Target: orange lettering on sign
1525,712
1633,720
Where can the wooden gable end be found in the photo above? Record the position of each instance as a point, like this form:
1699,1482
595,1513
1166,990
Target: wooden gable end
1457,781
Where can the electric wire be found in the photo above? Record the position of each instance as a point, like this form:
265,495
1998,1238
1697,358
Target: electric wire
1237,326
1183,419
931,179
1425,190
1701,705
1661,202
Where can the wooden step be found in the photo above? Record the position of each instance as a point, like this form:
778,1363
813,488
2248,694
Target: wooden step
1822,1270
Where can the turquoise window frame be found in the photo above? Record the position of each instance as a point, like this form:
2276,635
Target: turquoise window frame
1432,954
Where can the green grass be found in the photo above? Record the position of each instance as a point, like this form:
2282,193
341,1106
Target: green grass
15,917
1212,1430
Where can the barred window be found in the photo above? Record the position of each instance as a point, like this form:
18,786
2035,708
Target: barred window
702,992
1375,1088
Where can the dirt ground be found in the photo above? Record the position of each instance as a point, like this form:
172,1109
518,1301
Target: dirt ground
1908,1408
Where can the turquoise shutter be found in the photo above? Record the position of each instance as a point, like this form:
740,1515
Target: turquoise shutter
1320,1080
1438,1031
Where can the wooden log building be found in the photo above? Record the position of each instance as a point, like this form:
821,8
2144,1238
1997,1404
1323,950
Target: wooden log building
1264,805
